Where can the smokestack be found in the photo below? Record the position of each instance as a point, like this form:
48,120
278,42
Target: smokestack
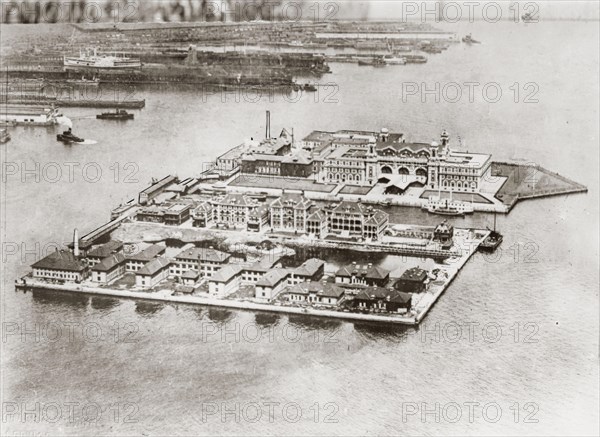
268,126
76,242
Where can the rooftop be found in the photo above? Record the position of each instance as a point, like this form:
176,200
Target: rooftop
324,289
226,273
110,262
106,249
369,271
296,200
154,266
148,253
309,267
380,293
191,274
318,135
60,260
414,274
273,277
203,254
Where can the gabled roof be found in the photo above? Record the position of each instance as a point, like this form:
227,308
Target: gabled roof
350,207
60,260
204,206
309,267
322,289
191,274
273,277
235,199
105,249
147,254
203,254
227,273
377,218
369,272
318,215
266,262
110,262
154,266
380,293
295,200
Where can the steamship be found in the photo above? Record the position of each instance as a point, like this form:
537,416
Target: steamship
90,60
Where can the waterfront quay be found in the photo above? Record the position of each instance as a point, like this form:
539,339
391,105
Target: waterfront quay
420,304
234,251
381,168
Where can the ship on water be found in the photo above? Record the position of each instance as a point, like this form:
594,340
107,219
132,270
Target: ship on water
25,115
394,60
437,205
90,59
94,81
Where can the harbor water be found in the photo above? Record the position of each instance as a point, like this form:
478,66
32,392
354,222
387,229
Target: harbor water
513,340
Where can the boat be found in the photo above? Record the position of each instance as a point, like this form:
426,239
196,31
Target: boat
386,202
83,81
529,18
492,241
394,60
296,44
119,114
375,62
4,136
90,59
415,59
437,205
25,115
68,137
469,40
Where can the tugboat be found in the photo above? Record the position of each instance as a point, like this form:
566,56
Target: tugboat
492,241
119,114
469,40
68,137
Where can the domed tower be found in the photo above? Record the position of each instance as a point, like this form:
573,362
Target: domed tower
445,138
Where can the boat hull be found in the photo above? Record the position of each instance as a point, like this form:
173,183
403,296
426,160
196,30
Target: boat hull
107,117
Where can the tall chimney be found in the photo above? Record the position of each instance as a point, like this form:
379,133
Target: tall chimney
268,126
76,242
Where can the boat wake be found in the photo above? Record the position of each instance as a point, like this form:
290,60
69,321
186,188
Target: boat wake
87,142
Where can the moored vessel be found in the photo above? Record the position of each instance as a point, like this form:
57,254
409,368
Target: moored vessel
119,114
25,115
90,60
394,60
492,241
372,62
437,205
84,81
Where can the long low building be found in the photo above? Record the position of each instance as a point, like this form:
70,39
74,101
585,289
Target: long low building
61,265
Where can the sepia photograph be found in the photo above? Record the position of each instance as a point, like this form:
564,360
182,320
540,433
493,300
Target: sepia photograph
299,218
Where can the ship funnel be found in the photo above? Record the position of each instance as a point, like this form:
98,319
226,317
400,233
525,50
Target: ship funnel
76,242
